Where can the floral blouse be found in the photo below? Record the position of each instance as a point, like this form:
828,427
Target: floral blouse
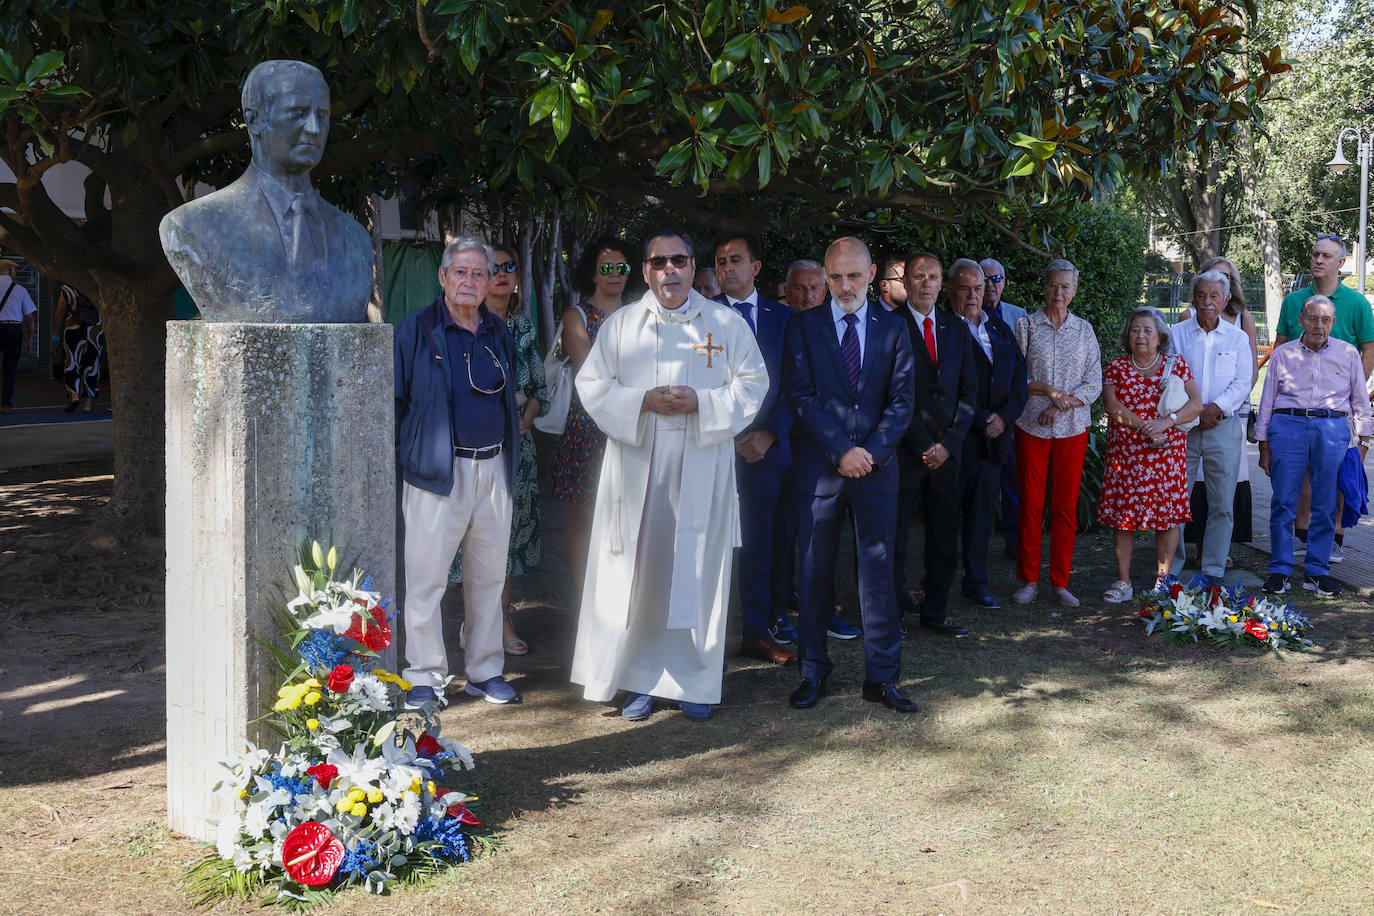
1067,358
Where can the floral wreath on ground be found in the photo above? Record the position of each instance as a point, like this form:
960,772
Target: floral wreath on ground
1230,617
353,796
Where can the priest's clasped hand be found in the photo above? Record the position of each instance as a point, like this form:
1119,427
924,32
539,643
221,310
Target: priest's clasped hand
855,463
669,400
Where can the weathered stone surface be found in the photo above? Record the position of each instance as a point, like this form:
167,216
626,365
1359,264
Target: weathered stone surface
276,433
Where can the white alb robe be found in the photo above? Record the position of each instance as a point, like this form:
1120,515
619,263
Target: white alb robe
667,516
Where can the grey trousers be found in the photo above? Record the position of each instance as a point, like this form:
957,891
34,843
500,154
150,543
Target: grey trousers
1215,452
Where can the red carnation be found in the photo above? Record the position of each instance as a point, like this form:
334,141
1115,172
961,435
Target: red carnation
427,746
1257,630
312,854
1215,597
324,773
376,635
1146,612
340,678
1175,590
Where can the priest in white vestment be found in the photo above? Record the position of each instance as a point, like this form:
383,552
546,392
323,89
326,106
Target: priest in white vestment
670,380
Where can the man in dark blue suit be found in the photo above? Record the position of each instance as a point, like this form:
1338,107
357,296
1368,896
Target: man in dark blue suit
945,383
987,455
762,451
847,374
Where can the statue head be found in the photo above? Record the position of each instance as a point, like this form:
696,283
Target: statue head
286,108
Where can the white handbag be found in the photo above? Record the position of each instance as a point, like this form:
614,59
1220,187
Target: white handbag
558,376
1173,394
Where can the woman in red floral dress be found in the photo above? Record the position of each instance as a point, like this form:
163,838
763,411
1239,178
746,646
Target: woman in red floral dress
1145,481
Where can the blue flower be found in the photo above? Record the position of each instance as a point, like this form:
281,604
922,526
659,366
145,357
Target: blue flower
366,584
323,648
446,833
359,860
295,785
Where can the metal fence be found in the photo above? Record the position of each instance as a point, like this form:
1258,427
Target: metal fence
1170,294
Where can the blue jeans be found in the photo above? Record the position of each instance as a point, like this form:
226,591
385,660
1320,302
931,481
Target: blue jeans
1302,447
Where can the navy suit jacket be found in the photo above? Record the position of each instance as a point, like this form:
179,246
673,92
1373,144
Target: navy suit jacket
770,323
829,421
1001,390
944,393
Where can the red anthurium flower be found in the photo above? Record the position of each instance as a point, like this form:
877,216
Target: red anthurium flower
427,746
1257,629
377,633
324,773
311,854
340,678
464,814
1175,590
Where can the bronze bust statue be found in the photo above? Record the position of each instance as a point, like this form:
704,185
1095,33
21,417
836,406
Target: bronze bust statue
268,248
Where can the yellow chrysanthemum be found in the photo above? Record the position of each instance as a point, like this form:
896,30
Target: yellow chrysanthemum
343,805
312,724
375,797
313,697
359,809
356,794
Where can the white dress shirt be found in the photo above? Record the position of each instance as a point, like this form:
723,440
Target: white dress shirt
1219,360
980,333
860,326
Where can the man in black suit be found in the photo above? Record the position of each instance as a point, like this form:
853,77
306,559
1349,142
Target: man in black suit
762,451
848,376
946,383
987,454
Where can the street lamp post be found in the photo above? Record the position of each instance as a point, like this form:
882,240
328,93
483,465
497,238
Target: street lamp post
1364,140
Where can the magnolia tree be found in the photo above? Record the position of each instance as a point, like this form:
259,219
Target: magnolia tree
821,112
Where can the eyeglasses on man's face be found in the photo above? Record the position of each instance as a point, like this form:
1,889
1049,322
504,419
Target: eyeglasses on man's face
502,369
996,278
658,262
506,267
622,268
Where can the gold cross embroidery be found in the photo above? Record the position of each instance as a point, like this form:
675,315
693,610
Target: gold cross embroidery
709,350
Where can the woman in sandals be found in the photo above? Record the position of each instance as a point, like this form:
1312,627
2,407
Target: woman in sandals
1145,479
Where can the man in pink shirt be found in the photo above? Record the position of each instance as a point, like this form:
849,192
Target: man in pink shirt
1313,387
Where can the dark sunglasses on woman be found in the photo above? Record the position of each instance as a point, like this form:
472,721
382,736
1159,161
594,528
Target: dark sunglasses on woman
507,266
622,268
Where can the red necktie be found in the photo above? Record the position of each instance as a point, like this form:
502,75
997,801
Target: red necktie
930,338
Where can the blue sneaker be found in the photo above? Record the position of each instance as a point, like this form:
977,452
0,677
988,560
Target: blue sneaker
698,712
493,690
838,628
781,628
420,697
638,707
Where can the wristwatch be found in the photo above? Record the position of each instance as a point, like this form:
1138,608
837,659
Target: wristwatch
1364,441
1173,418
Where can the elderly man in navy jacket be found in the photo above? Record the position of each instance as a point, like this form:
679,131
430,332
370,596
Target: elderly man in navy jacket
847,373
457,446
762,451
987,453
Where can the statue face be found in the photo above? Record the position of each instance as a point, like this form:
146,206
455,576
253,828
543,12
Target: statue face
291,131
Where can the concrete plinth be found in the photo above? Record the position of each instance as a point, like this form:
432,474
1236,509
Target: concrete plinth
276,433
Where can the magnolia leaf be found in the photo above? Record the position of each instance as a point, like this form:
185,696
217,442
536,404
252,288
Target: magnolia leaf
43,65
599,21
778,17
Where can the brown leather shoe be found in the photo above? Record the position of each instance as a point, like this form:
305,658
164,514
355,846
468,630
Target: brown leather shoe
765,650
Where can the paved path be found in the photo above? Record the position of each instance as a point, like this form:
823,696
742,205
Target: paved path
1356,571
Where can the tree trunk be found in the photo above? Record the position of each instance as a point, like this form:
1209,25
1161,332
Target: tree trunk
528,233
1266,229
135,318
1194,188
553,255
376,311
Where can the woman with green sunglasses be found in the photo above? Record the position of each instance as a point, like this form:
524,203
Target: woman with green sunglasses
602,275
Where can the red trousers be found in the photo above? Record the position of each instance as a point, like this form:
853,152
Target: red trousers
1058,462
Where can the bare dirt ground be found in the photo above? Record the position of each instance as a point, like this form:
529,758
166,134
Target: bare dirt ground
1059,764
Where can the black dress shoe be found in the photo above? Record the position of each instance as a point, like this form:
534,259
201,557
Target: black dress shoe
945,627
981,597
908,602
890,695
807,694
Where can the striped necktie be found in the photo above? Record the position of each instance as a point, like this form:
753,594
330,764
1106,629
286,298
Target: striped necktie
849,350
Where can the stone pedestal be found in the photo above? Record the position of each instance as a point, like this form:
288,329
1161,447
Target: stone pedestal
276,434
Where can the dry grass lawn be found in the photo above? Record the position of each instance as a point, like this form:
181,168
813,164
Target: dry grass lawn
1060,764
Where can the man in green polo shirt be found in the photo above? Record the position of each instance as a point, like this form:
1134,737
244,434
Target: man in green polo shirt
1354,324
1354,321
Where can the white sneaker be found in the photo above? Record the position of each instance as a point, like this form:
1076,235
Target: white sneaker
1336,554
1025,594
1065,597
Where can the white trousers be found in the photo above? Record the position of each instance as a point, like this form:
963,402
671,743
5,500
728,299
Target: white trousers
476,515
